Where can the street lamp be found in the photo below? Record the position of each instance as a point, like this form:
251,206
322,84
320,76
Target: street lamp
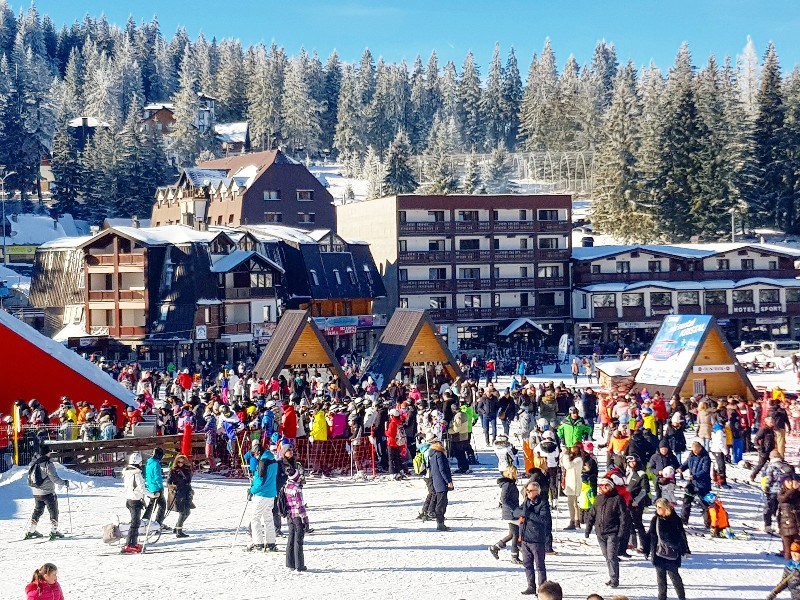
3,177
733,224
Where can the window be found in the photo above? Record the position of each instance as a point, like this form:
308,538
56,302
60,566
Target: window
435,245
584,303
686,298
305,195
351,275
595,269
437,216
523,215
230,219
769,296
553,272
723,264
496,272
273,217
660,298
523,272
401,216
402,274
469,273
773,265
368,274
272,194
108,281
654,266
716,297
163,312
523,243
495,215
437,273
548,215
207,315
793,294
603,300
495,243
267,314
402,245
338,276
748,264
632,299
623,266
314,278
468,215
438,301
548,243
549,298
524,299
469,244
403,302
260,280
495,300
742,296
472,301
306,217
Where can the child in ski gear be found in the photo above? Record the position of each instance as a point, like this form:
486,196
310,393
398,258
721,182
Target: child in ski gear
666,483
426,513
134,500
44,584
43,478
509,501
154,482
547,450
791,575
777,469
297,520
719,450
717,515
505,452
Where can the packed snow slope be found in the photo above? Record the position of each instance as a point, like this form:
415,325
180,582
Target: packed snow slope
367,544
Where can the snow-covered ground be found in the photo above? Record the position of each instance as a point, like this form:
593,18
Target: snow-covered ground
367,544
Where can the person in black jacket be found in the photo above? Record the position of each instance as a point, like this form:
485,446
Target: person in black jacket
179,484
640,447
536,526
659,461
487,408
667,545
609,516
442,479
542,479
765,443
639,488
509,501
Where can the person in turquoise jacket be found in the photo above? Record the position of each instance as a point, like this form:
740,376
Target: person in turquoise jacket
262,493
154,483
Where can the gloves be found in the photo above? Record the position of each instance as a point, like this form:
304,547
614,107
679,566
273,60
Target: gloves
249,495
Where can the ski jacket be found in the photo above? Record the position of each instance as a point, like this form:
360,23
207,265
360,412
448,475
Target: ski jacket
571,431
506,456
790,580
44,591
700,468
319,427
765,440
571,471
776,470
705,421
509,497
265,479
50,478
548,450
639,488
660,409
289,423
153,477
609,515
537,525
133,483
658,462
441,475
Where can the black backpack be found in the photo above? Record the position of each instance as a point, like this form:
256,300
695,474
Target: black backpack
35,476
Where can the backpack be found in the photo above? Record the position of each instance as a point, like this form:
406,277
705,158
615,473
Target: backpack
35,477
283,506
418,464
111,533
400,436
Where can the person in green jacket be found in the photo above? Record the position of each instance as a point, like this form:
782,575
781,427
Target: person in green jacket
472,418
573,429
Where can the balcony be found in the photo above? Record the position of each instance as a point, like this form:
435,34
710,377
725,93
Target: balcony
425,227
425,286
467,256
236,328
514,312
605,312
689,309
553,254
471,226
552,311
245,293
718,310
441,314
474,313
632,312
423,257
516,226
516,255
583,278
551,282
102,295
104,260
473,284
509,283
553,226
123,331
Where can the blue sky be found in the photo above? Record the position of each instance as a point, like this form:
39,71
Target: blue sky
641,30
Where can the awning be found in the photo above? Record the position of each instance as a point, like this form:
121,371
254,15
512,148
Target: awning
235,338
520,323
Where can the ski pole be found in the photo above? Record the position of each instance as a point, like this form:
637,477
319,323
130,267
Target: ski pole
69,510
239,526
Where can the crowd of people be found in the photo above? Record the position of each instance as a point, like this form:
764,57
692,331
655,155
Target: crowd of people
546,438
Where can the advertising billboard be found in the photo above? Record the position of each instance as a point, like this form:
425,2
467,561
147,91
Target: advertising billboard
673,349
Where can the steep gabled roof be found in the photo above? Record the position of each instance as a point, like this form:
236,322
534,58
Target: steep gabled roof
409,337
261,160
228,262
298,342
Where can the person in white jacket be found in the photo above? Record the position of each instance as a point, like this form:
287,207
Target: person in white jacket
549,450
134,500
571,468
505,452
719,450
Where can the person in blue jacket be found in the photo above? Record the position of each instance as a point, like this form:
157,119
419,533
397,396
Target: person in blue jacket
252,457
154,484
698,464
262,494
442,479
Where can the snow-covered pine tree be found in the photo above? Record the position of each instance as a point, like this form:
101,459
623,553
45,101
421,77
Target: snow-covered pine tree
791,126
67,166
511,99
400,176
332,85
184,144
539,100
472,183
374,172
491,104
301,113
71,90
748,77
230,93
439,176
264,90
349,137
497,171
470,119
652,95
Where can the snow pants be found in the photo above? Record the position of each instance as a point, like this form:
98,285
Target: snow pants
677,583
135,507
46,500
294,544
162,508
770,509
261,524
609,545
440,506
533,561
430,500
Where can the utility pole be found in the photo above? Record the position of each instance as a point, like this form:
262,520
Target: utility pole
3,177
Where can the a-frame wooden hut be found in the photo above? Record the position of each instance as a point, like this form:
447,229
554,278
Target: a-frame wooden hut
689,357
298,344
410,339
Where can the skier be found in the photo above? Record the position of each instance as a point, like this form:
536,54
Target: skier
42,478
264,488
154,482
297,520
698,464
134,500
791,575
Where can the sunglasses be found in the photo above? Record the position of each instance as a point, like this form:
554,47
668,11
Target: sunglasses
529,491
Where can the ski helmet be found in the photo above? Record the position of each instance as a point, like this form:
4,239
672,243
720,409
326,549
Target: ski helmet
542,423
710,498
135,459
668,472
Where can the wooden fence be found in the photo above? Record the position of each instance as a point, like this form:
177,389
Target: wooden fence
103,456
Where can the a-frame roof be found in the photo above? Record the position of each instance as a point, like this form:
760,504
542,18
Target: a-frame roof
298,343
409,337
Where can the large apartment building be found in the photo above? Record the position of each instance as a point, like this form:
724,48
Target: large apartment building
622,293
478,262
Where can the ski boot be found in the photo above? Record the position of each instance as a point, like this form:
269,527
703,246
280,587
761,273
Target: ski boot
56,535
494,551
32,535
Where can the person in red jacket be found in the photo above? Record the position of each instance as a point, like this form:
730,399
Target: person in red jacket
660,412
289,421
395,440
44,585
186,382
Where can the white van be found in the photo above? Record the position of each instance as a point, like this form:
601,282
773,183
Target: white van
780,348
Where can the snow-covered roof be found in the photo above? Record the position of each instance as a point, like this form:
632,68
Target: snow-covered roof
231,133
225,263
619,368
65,243
319,234
517,323
159,105
14,279
126,222
719,284
35,230
67,357
165,234
90,122
200,177
680,250
281,232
